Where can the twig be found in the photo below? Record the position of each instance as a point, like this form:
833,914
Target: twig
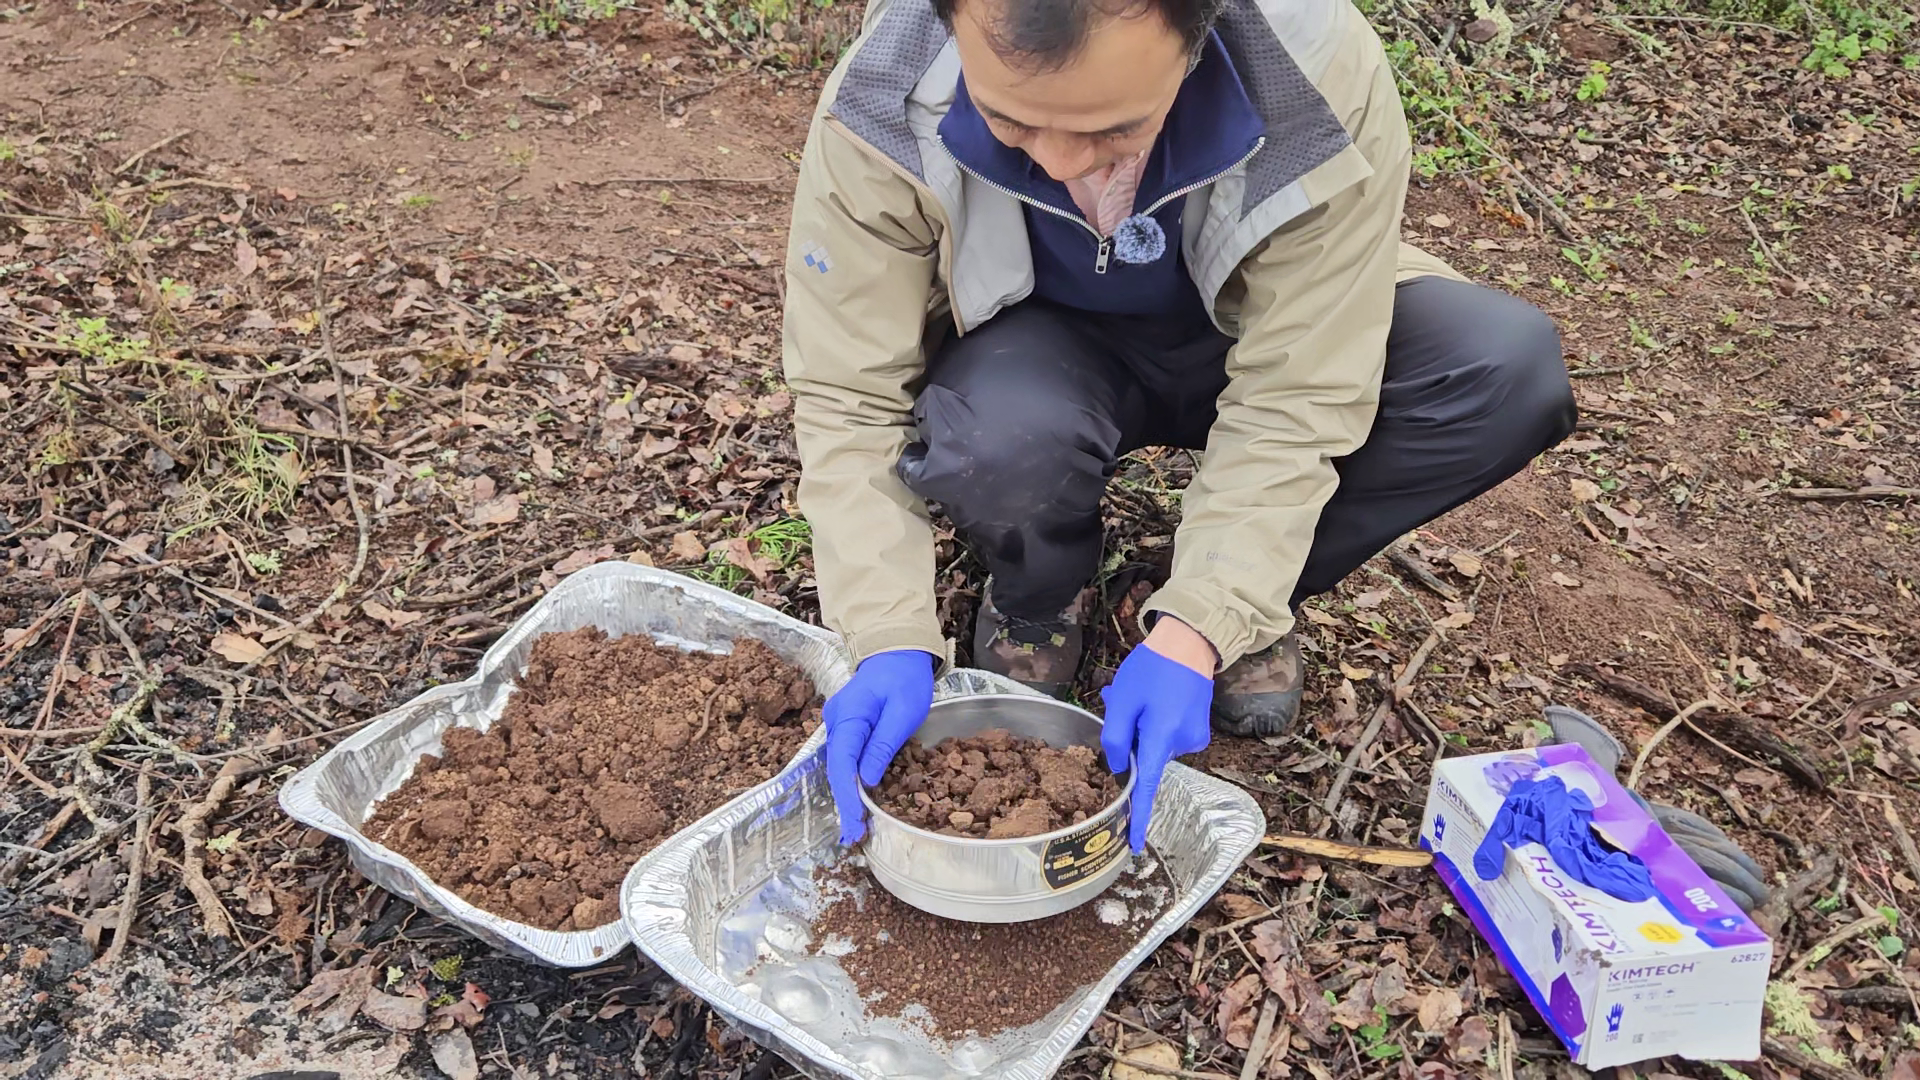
136,870
1825,946
124,715
1767,254
1120,1057
32,629
229,598
1422,575
1393,696
60,821
1786,900
1806,1063
1262,1038
1549,209
213,914
1817,699
751,180
1506,1048
345,584
1333,849
1903,838
1666,729
58,676
1873,703
156,147
1871,491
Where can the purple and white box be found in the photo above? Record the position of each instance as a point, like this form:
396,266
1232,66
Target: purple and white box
1681,973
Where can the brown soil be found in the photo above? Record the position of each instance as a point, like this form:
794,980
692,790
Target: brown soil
995,785
975,977
607,747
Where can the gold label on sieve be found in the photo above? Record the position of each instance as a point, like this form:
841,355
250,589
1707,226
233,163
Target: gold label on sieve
1081,855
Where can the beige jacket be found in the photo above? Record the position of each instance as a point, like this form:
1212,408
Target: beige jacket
1298,251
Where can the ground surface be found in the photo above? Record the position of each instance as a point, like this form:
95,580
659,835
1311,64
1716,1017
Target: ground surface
331,337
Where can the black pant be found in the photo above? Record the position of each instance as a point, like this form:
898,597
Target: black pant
1023,421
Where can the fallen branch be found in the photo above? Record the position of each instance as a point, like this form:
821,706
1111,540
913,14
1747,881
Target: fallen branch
1422,575
1825,947
1736,726
1873,703
1806,1063
213,914
136,870
1871,491
1333,849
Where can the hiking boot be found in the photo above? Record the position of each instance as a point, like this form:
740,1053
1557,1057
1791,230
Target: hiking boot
1043,654
1260,694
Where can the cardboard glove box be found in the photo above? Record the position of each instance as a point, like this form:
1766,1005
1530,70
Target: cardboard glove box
1681,973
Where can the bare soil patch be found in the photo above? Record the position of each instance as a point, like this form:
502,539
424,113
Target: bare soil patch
995,785
607,747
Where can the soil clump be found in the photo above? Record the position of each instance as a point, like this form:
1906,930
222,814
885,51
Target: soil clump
995,785
606,747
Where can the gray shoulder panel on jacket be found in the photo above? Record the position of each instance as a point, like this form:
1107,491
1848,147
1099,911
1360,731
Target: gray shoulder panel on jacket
1302,130
883,72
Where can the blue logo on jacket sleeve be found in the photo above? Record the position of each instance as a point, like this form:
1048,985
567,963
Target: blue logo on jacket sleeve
816,258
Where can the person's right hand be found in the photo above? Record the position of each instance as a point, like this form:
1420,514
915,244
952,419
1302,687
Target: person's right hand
868,722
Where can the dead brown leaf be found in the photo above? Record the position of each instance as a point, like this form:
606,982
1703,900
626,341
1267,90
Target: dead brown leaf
1440,1009
1238,906
543,459
245,259
741,554
1466,562
1159,1058
1459,620
1584,490
497,511
1271,940
1468,1042
1356,1009
391,618
453,1053
687,548
1565,581
238,648
1236,1016
346,988
583,558
395,1013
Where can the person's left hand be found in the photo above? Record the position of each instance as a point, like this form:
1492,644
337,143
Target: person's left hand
1157,710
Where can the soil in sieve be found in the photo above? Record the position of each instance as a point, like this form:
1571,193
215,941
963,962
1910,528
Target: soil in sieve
995,785
607,746
958,978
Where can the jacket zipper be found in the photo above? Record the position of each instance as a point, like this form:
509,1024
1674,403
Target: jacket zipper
1104,252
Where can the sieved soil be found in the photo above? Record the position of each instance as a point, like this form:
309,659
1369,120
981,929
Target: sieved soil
955,978
995,785
606,747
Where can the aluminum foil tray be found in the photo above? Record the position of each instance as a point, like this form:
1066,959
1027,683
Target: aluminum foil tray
336,793
722,907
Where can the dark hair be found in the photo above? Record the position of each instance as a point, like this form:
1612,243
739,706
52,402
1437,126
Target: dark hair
1045,35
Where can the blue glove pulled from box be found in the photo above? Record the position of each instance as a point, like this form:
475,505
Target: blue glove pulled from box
1548,813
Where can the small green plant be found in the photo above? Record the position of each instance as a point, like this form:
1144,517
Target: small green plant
1834,56
1561,285
1373,1038
779,543
8,151
1594,86
447,968
1591,258
1641,337
266,564
419,201
99,345
1690,227
1840,171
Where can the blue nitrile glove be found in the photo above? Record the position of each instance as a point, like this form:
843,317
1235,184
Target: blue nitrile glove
1156,711
868,722
1548,813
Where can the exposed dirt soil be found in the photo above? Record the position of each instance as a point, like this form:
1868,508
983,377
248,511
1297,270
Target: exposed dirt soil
955,977
607,747
995,785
